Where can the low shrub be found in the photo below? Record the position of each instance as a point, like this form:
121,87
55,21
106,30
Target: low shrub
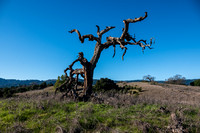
105,84
195,83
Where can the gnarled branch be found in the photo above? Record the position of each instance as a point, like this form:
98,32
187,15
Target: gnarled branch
126,38
113,41
82,38
124,53
142,43
126,24
69,84
106,30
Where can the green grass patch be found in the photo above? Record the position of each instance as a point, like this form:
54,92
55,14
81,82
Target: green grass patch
46,115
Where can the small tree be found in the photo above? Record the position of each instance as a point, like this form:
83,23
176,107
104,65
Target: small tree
149,78
60,80
177,79
88,66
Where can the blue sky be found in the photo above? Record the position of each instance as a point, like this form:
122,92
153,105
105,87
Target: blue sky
35,44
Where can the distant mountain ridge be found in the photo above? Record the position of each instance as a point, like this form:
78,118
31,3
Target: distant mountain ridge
14,82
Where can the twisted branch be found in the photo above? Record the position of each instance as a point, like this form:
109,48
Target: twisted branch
126,24
82,38
126,38
106,29
123,40
69,84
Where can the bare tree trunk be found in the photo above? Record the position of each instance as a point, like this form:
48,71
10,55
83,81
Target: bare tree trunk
88,81
96,55
89,70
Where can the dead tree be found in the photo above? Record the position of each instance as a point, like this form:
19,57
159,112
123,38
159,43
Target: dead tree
148,78
88,66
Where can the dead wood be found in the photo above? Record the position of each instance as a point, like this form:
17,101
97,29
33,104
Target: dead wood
88,66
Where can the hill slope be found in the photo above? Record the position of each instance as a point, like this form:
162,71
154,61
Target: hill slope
168,93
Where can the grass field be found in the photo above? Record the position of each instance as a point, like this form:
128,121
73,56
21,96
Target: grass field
157,108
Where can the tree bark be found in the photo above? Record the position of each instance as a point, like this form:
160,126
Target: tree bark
89,70
88,81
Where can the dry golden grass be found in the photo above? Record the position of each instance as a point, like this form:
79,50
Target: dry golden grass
35,92
154,94
168,93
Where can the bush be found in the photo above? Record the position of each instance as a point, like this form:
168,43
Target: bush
195,83
105,84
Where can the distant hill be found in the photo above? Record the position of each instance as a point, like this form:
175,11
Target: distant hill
187,81
14,82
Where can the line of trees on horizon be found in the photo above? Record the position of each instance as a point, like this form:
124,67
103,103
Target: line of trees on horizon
10,91
176,79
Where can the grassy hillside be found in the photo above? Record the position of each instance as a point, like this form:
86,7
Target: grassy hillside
41,111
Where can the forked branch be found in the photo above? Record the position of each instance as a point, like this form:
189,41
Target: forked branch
126,38
82,38
126,24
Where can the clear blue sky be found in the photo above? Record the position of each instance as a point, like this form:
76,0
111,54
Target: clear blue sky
35,44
